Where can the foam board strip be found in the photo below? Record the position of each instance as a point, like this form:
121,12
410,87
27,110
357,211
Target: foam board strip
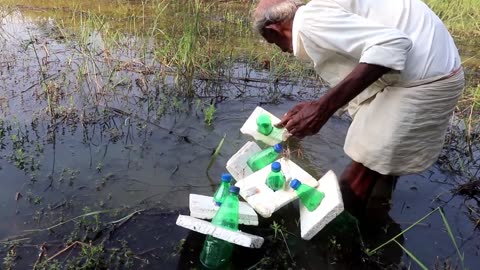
332,205
205,227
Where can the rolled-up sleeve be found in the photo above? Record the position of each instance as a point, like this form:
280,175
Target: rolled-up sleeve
330,27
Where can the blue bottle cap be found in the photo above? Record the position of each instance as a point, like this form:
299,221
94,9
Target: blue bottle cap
226,177
278,147
276,167
295,183
234,189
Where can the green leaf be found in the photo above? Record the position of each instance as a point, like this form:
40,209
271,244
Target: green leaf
411,255
217,151
72,219
449,230
370,253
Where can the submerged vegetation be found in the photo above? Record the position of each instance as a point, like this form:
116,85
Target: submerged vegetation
107,74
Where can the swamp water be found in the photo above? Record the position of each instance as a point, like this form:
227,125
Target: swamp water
96,136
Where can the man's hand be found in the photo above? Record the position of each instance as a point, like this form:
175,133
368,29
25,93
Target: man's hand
305,118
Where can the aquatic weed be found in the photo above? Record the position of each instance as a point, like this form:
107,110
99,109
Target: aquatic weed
10,259
409,253
209,113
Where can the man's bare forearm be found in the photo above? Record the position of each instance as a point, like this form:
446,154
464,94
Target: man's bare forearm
307,118
362,76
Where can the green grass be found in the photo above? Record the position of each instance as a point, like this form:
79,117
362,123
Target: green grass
463,20
412,255
209,113
189,42
462,17
472,98
216,153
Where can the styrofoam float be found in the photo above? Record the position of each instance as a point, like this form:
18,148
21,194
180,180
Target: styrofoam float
250,127
266,201
203,207
237,164
205,227
332,205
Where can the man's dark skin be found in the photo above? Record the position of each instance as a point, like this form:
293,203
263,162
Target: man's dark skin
307,118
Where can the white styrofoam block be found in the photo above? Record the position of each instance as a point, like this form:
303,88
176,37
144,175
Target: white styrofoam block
237,164
205,227
332,205
250,127
266,201
203,207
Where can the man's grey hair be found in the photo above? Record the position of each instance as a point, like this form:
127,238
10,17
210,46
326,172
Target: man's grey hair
279,12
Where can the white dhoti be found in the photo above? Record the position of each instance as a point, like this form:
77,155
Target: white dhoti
401,129
397,128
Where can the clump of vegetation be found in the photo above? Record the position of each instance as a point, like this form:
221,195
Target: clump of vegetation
209,112
10,258
462,16
90,257
278,254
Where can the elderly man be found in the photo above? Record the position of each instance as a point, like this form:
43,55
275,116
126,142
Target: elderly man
391,64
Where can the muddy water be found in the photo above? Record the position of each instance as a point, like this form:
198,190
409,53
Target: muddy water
128,149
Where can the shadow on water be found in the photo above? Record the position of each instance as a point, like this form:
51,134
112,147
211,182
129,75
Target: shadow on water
83,140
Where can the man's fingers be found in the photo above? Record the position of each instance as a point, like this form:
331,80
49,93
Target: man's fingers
287,117
282,122
296,134
291,125
295,129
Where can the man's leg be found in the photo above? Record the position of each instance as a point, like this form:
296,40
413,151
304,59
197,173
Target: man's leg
356,184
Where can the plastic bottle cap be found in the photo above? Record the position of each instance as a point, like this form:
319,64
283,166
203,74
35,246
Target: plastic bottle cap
278,147
276,167
226,177
234,189
295,183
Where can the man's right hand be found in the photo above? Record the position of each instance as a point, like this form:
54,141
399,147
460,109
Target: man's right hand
306,118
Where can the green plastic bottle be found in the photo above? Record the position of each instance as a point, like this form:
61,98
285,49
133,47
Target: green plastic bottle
310,197
227,215
265,157
216,253
222,190
276,179
264,124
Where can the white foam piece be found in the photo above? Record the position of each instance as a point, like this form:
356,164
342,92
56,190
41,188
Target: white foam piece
264,200
203,207
332,205
250,128
237,164
205,227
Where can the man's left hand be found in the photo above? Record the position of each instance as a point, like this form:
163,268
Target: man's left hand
305,118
